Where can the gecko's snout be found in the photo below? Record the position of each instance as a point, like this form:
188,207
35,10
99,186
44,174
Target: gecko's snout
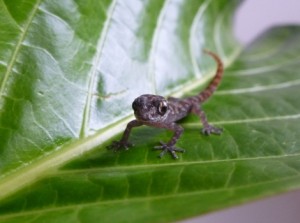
137,103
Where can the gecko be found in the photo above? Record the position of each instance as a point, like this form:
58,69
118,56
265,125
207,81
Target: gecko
157,111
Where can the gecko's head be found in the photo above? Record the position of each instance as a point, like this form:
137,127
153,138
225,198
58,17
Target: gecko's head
148,107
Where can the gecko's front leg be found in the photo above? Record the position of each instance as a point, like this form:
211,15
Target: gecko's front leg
170,146
124,143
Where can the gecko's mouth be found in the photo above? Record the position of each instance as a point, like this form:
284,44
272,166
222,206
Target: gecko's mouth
143,115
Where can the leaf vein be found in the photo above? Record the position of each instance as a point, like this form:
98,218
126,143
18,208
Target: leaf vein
153,198
242,121
264,69
155,38
18,47
230,176
192,41
63,120
185,163
259,88
93,72
217,33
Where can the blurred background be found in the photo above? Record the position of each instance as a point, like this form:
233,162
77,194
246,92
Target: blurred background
252,18
255,16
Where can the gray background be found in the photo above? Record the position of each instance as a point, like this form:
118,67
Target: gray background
252,17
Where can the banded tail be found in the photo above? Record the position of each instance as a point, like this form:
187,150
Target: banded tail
209,90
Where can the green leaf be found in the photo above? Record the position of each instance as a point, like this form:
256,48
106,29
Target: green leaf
69,72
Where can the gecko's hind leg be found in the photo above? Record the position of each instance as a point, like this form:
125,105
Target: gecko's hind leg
207,128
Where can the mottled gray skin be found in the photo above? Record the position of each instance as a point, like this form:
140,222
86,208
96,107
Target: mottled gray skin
156,111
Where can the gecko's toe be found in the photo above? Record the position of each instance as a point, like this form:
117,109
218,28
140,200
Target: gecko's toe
118,145
207,130
166,148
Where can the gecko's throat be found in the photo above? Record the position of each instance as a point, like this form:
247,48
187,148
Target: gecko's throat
149,107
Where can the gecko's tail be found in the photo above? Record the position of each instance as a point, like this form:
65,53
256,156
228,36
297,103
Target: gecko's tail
209,90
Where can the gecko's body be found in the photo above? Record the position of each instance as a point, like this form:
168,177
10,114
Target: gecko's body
156,111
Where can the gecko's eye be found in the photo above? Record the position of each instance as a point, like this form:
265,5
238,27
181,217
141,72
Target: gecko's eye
163,107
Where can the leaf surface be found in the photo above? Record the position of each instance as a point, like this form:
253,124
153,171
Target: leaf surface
72,68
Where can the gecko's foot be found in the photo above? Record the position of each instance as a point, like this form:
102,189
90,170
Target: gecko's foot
209,129
166,148
118,145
